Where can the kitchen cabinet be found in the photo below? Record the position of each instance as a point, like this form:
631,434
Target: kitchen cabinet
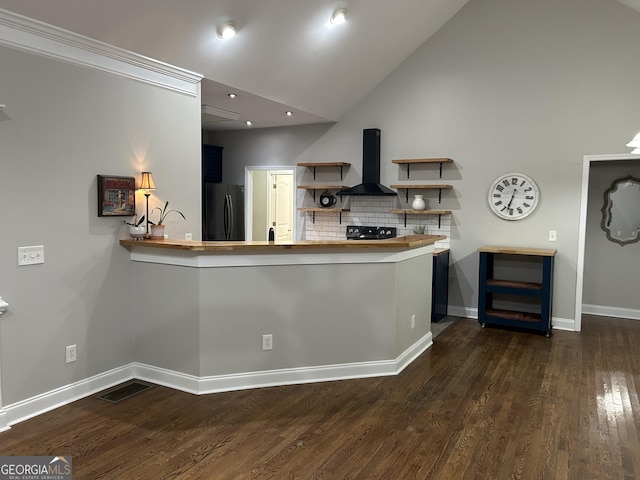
539,293
340,166
440,284
211,163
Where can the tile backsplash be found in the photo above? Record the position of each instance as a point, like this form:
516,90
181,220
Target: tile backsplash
373,211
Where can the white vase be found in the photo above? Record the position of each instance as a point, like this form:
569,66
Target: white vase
418,203
137,232
157,232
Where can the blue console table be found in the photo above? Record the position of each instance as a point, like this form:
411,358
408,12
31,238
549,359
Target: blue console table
538,292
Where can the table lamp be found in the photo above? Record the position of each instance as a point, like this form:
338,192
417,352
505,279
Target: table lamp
146,185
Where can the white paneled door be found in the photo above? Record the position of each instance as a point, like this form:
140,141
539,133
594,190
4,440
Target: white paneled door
281,211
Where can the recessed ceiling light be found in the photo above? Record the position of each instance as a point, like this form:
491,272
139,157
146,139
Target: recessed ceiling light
227,30
339,16
232,95
249,123
288,113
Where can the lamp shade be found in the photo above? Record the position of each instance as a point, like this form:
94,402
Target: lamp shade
146,182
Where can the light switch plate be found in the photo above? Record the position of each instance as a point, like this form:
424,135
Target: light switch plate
31,255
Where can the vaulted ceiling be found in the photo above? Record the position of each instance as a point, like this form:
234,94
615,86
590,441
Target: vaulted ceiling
286,55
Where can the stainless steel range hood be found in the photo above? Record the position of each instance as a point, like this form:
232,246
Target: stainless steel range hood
370,167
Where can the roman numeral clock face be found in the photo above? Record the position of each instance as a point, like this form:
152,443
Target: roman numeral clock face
513,196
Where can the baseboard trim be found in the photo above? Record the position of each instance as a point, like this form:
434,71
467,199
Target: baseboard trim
606,311
34,406
568,324
462,312
4,426
286,376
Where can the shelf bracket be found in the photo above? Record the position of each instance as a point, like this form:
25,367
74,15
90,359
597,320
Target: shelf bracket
340,172
439,218
440,194
314,173
406,196
440,163
408,169
314,195
313,217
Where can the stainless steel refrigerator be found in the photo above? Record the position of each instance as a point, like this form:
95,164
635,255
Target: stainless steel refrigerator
222,211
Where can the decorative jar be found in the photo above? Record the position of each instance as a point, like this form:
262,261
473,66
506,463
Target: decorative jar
418,202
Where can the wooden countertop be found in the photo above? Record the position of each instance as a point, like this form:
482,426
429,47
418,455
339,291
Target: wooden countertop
408,242
544,252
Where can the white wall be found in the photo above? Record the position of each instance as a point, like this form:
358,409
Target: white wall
505,85
62,126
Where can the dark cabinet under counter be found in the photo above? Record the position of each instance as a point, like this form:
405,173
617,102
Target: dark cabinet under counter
440,284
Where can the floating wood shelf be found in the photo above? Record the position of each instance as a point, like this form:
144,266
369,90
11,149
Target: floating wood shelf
323,187
407,187
422,186
315,188
412,161
313,211
406,212
313,165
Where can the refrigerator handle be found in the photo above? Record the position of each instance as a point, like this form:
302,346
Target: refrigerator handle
226,217
230,232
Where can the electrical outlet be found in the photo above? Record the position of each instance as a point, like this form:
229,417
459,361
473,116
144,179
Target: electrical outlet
267,342
31,255
552,235
188,236
413,322
70,353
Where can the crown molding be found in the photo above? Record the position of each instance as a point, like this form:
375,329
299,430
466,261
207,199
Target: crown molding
29,35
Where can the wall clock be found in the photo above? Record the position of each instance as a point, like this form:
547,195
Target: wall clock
513,196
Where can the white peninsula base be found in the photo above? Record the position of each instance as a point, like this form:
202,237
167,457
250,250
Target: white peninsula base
333,313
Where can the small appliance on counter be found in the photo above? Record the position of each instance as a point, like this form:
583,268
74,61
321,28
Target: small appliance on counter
355,232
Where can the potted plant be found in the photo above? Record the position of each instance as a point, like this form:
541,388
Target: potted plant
136,229
157,229
418,229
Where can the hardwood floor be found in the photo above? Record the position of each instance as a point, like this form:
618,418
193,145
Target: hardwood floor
480,404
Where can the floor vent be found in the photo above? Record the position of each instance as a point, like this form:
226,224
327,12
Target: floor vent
124,391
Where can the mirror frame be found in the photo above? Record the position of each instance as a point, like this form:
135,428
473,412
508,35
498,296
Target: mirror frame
606,209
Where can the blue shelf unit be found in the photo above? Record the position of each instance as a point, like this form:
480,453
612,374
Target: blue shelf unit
538,293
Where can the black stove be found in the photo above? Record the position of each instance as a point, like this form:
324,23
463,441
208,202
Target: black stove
355,232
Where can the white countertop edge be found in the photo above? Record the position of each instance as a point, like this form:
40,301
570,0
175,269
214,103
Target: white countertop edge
225,259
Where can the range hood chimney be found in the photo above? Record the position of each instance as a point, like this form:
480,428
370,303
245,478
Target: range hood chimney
370,167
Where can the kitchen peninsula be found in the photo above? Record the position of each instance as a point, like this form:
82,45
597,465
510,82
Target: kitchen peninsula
334,310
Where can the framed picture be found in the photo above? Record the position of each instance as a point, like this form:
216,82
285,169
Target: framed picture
116,196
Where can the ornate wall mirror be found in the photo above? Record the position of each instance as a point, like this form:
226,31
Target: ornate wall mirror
621,211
